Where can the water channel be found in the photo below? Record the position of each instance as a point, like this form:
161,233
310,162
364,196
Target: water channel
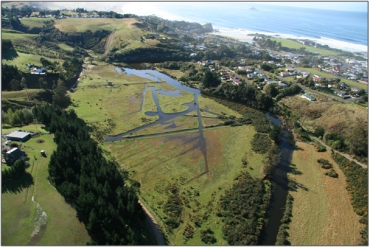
280,181
279,187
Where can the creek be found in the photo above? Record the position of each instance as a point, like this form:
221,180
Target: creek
279,179
280,187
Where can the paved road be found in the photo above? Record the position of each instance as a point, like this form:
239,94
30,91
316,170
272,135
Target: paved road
154,226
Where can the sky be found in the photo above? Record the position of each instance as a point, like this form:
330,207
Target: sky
147,8
348,6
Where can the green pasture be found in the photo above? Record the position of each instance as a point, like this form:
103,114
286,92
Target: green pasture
179,123
326,75
22,59
175,104
96,104
16,35
102,73
65,47
213,106
296,45
157,162
125,35
35,21
84,24
19,95
19,213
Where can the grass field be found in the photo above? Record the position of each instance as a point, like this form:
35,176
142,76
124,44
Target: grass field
94,104
125,35
333,116
326,75
322,213
34,21
102,73
19,95
65,47
296,45
175,159
179,123
19,213
174,104
213,106
14,35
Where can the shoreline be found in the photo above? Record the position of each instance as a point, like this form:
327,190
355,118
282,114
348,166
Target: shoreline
245,36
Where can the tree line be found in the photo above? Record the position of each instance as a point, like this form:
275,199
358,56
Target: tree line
357,187
96,187
243,208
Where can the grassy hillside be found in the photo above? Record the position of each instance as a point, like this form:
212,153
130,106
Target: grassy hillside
322,212
34,21
328,76
334,116
125,35
296,45
21,222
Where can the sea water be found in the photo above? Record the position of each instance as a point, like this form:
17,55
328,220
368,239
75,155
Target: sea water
347,30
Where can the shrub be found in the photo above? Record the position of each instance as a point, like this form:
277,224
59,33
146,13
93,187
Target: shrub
332,173
261,143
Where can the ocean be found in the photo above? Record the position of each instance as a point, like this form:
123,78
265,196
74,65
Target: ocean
344,30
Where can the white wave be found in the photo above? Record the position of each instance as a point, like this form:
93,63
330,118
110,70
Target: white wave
242,34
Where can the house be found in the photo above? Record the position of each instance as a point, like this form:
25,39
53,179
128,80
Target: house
18,136
355,89
12,155
342,94
284,74
309,97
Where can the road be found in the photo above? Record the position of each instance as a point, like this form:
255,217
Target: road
328,148
340,99
154,226
108,43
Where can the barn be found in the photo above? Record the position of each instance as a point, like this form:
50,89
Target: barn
18,136
12,155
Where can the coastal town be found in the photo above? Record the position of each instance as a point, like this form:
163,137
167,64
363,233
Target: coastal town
125,129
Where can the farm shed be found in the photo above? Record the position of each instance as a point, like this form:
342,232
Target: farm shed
18,136
12,155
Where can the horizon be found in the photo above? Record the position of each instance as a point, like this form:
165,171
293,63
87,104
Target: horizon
148,7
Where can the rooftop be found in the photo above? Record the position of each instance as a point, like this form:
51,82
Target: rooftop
18,134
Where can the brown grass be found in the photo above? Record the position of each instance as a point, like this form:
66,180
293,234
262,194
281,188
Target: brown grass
322,215
334,116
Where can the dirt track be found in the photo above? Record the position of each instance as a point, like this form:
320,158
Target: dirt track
108,43
154,227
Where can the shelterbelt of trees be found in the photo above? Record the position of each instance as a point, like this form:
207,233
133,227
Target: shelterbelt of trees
357,187
93,185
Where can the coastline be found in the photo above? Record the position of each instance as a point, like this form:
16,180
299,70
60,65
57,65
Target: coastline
245,36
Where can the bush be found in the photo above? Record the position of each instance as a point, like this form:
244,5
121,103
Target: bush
324,163
261,143
332,173
206,236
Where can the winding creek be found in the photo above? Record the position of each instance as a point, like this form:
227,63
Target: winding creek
280,181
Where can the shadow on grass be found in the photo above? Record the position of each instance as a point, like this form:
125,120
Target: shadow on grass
298,148
17,185
294,186
10,55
